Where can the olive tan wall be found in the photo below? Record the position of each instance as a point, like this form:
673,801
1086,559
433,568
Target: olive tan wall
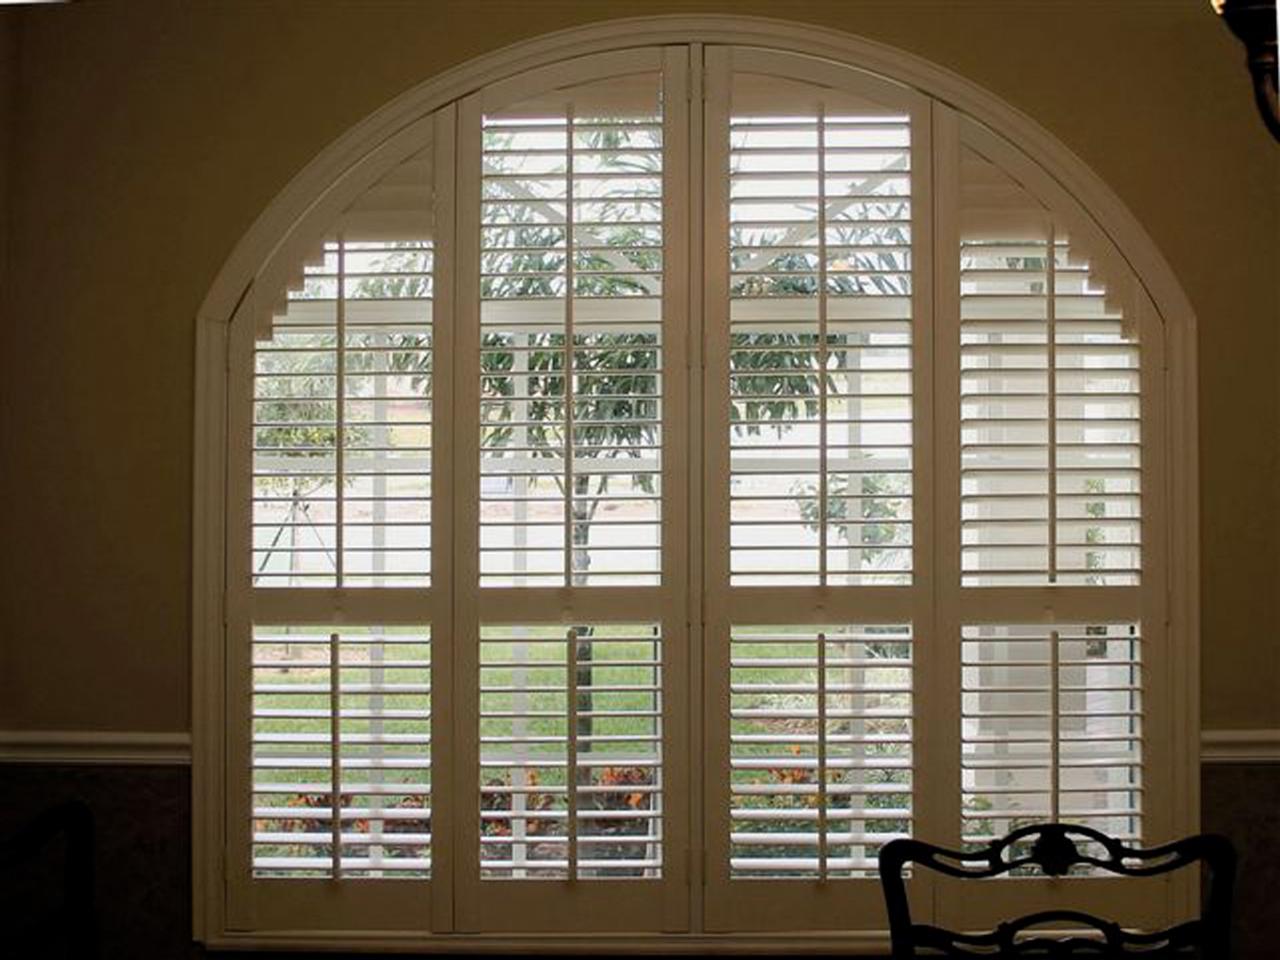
8,103
147,137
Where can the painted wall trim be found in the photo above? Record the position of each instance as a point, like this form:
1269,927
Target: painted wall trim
105,747
1240,746
872,943
126,747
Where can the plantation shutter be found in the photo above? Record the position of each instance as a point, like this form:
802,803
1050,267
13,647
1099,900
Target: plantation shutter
340,611
1052,600
571,591
1049,395
817,306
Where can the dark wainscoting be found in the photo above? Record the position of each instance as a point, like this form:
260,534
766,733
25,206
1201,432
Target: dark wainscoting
142,819
1242,801
143,816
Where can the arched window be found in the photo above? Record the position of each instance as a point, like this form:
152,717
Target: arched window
657,478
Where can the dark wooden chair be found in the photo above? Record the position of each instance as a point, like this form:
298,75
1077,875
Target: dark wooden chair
1055,848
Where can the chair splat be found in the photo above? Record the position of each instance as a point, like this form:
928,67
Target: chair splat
1055,849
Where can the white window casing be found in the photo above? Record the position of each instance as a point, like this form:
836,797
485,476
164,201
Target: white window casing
657,469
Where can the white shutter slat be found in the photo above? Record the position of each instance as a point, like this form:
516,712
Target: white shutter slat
1052,728
820,348
820,748
334,715
571,752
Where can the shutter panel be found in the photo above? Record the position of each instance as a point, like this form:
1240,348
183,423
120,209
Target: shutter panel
571,345
1049,393
1058,612
572,328
335,602
1052,721
820,748
816,178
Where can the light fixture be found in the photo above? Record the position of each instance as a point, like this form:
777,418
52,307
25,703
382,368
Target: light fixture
1254,23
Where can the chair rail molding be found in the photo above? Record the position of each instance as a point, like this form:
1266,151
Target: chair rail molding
173,748
1240,746
101,747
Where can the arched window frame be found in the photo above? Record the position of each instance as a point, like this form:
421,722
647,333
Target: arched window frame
377,144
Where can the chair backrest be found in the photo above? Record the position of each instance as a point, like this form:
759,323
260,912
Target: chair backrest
1055,848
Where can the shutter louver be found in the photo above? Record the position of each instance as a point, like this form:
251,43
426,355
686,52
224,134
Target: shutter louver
820,339
1052,728
343,419
571,352
346,715
820,748
571,752
1050,455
